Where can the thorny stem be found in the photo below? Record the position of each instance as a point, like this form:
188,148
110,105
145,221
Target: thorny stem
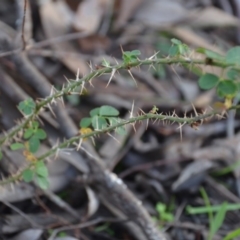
96,73
131,120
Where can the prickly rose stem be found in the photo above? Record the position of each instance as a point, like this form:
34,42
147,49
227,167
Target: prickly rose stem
96,73
77,139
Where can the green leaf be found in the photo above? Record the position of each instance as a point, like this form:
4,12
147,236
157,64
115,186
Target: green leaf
162,212
173,51
34,144
233,74
62,234
105,63
94,112
176,41
126,58
85,122
160,207
121,130
183,49
233,56
99,122
27,106
129,57
227,88
208,81
35,125
168,217
1,155
28,133
74,99
238,86
42,182
135,53
41,169
28,175
218,220
40,134
16,146
113,121
108,111
233,234
211,54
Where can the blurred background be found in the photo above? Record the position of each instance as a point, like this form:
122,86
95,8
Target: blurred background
53,41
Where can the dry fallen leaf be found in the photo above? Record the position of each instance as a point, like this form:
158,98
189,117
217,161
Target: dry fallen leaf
192,175
89,15
212,17
29,234
56,24
125,12
159,13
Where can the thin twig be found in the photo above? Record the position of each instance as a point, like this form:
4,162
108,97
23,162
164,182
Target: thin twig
146,166
11,52
45,43
23,25
62,204
33,224
84,225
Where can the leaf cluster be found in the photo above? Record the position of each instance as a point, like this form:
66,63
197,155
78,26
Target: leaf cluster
39,173
33,134
101,118
130,56
228,85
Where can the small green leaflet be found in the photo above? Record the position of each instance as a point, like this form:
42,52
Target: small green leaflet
99,122
85,122
41,169
108,111
233,74
173,51
105,63
27,106
42,182
178,48
16,146
28,175
94,112
28,133
73,99
129,57
176,41
40,134
233,56
35,124
227,88
34,144
208,81
210,54
120,130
